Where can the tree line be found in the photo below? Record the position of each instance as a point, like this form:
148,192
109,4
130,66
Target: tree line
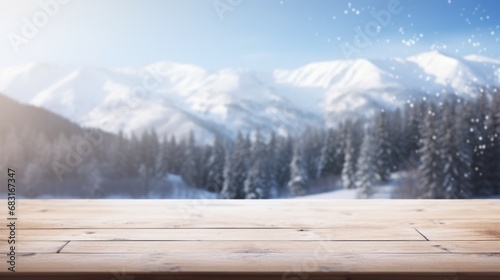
441,148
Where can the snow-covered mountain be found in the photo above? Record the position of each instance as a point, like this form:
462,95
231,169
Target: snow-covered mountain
177,98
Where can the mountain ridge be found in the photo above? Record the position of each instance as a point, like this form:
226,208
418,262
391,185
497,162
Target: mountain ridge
177,98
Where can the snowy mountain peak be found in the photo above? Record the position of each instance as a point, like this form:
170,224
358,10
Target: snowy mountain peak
436,61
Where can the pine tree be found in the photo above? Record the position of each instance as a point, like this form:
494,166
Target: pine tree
154,153
270,167
430,168
491,156
256,186
254,182
216,164
383,148
132,157
176,155
117,155
411,136
58,163
455,156
149,150
298,180
204,169
235,170
349,168
229,188
478,138
366,175
330,162
312,151
188,170
494,138
284,158
200,166
165,157
396,130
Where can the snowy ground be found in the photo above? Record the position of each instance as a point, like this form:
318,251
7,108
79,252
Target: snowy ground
382,192
339,194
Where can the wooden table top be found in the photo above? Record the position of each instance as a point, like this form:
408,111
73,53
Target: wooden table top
273,239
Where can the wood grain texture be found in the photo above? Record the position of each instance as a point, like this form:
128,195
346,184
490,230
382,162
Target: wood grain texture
364,233
239,276
271,247
261,262
280,239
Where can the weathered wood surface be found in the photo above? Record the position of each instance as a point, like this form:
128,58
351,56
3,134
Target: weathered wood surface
281,239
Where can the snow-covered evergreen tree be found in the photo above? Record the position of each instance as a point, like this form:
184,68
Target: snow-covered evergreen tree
173,156
132,161
117,155
216,164
396,140
229,188
204,169
331,164
256,185
430,168
478,138
494,138
270,168
455,157
60,148
235,169
189,173
313,142
349,168
383,147
366,175
149,150
491,151
298,179
284,158
411,135
164,166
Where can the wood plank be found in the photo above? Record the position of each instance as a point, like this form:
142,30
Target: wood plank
213,222
39,247
240,276
227,214
175,213
366,233
295,247
423,206
336,264
221,222
448,233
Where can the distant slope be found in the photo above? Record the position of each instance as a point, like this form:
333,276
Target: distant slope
21,117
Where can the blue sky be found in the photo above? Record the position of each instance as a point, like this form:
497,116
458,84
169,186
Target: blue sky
252,34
